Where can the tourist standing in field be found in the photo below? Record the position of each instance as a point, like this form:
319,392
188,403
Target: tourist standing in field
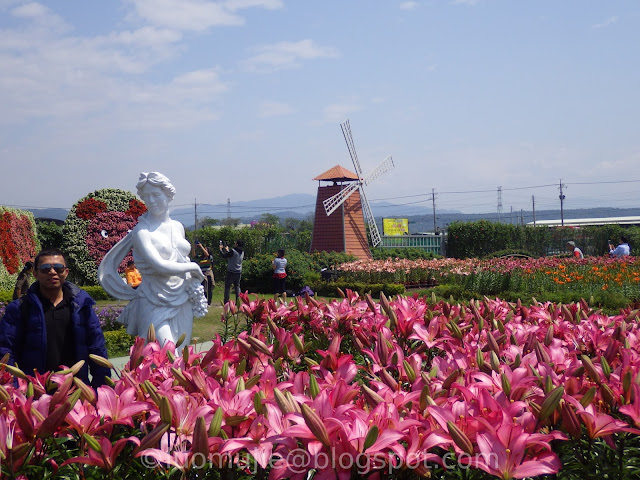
622,250
54,325
205,260
279,266
22,282
575,251
234,257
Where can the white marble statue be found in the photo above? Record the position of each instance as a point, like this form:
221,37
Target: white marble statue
170,294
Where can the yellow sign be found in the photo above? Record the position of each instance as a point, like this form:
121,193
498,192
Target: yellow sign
395,226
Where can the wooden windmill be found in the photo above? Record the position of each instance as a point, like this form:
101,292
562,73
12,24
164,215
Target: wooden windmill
342,208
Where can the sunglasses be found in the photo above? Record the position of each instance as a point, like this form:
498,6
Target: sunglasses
46,267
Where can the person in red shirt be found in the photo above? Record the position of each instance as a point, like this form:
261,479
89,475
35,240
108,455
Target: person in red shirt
575,251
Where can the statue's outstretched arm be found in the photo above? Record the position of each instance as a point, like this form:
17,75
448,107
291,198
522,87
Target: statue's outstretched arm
108,275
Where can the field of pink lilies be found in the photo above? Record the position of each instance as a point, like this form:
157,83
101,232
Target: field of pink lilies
348,389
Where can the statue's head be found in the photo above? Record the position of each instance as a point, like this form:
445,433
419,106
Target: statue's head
155,179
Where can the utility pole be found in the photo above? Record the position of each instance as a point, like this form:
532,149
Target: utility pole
228,208
562,197
533,202
521,217
500,204
511,215
433,200
195,219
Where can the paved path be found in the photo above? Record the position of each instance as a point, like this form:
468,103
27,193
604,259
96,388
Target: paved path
119,362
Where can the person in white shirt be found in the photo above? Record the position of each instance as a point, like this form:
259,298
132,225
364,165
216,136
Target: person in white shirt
279,266
622,250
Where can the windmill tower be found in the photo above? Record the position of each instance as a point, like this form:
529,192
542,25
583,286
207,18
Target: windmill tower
342,208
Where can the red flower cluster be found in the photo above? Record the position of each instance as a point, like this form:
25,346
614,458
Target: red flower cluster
17,240
89,208
136,208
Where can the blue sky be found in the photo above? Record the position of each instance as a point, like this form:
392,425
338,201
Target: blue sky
243,99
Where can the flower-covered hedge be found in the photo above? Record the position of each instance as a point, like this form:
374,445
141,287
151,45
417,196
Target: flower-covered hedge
18,243
94,225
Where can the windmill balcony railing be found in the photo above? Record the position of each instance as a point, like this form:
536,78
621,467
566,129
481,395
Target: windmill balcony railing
430,242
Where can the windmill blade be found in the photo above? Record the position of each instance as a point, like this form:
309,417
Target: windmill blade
371,221
346,131
332,203
385,166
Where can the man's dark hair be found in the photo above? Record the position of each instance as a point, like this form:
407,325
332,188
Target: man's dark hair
240,243
49,252
624,239
281,253
130,262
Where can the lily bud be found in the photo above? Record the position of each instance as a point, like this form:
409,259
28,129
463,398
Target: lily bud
315,424
180,340
587,398
548,338
297,342
479,358
240,386
88,393
341,293
370,302
570,420
372,436
593,374
152,439
185,354
495,362
92,442
166,413
15,371
101,361
235,420
388,380
200,442
257,402
373,398
551,402
151,333
411,374
453,376
459,438
314,389
224,371
606,369
251,382
216,423
506,385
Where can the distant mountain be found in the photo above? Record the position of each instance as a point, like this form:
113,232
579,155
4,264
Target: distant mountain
52,213
299,206
302,206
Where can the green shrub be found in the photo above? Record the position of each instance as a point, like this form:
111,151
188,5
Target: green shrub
97,292
330,289
118,342
302,269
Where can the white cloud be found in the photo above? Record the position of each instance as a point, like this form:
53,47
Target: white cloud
234,5
274,109
338,112
408,5
466,2
609,21
287,55
47,73
186,15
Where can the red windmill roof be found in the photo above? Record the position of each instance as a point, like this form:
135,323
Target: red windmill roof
337,173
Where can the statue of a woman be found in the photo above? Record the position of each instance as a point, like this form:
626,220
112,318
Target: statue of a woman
170,294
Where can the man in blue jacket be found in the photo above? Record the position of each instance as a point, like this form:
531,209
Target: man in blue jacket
54,325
